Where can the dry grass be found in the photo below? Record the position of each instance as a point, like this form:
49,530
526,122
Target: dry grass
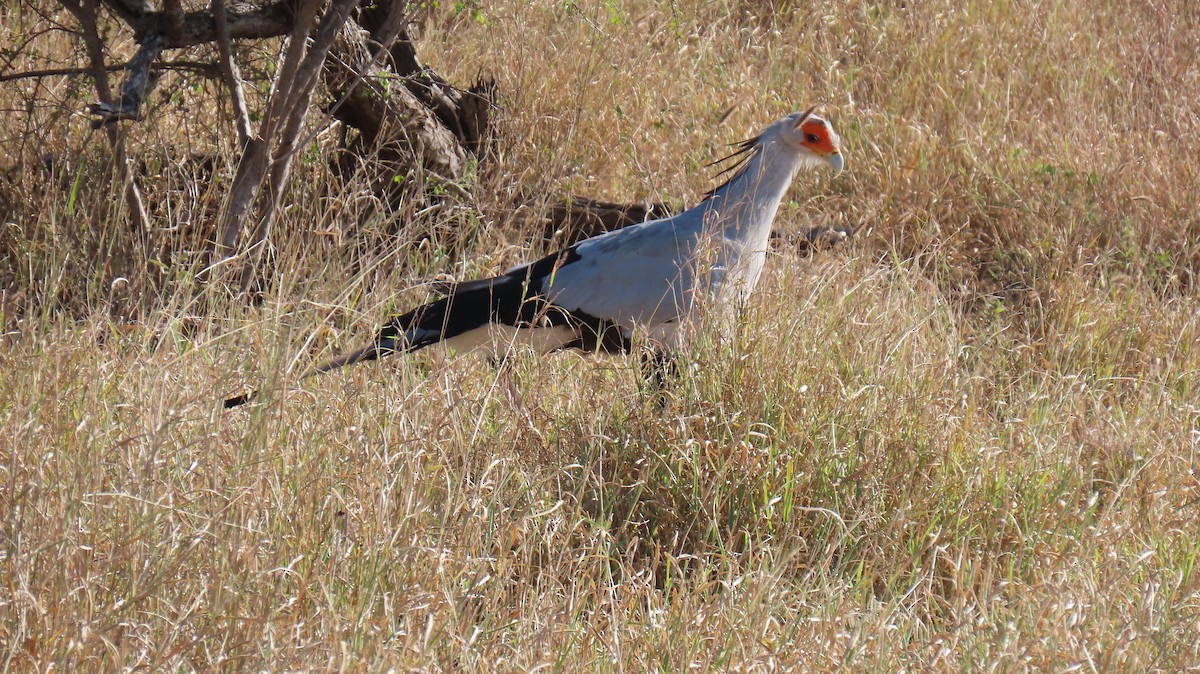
968,441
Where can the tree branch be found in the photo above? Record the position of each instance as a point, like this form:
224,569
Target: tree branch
246,21
128,10
371,107
85,13
256,154
173,16
281,91
229,69
300,100
464,113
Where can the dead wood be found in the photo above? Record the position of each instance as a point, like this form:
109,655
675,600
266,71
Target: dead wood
576,218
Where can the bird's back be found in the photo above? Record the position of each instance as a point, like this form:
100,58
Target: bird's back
642,275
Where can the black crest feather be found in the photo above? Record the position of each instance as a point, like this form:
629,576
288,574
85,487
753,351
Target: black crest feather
742,153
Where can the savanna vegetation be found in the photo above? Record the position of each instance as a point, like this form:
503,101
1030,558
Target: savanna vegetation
968,438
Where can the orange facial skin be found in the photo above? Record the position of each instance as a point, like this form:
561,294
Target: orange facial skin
818,137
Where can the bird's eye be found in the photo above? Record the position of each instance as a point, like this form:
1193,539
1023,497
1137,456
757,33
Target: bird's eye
813,138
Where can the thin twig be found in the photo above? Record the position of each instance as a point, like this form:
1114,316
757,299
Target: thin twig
205,68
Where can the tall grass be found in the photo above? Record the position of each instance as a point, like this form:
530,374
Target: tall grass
967,440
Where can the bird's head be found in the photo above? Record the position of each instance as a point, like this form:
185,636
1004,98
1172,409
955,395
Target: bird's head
801,137
813,138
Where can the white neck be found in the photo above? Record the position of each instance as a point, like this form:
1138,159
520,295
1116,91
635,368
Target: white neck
743,209
737,218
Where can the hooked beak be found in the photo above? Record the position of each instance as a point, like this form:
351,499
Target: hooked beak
835,162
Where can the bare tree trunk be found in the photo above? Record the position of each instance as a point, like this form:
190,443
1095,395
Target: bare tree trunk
285,110
229,70
256,153
246,182
299,100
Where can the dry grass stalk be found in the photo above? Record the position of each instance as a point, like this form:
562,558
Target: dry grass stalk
968,440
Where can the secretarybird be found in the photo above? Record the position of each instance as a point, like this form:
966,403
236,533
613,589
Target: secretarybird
640,281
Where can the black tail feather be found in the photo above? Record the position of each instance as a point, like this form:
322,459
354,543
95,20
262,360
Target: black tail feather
468,307
512,299
372,352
